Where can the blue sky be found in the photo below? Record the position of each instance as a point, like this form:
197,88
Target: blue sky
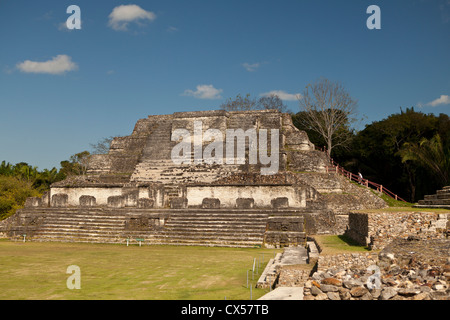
61,89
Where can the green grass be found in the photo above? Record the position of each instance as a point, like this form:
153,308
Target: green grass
37,271
391,202
333,244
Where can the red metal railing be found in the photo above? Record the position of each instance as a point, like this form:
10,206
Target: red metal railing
335,167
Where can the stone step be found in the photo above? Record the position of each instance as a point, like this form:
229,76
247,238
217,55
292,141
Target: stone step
435,202
99,225
437,196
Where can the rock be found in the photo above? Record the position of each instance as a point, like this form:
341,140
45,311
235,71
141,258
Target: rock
387,293
328,288
421,296
358,291
352,283
321,296
315,291
376,293
438,286
332,281
367,296
345,295
408,292
333,296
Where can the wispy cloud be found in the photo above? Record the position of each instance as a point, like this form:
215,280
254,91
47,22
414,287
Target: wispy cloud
441,101
283,95
172,29
122,15
56,66
251,67
204,92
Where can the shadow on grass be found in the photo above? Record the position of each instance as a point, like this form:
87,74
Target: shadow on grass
352,243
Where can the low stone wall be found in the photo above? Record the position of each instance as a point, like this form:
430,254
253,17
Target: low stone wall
292,276
347,261
376,230
325,222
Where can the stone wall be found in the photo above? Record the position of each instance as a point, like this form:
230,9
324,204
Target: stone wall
325,222
377,229
292,276
101,195
347,261
262,195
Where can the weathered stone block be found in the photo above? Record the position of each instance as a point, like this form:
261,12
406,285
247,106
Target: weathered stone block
279,203
245,203
179,203
131,198
211,203
116,202
87,201
45,199
144,203
33,202
60,200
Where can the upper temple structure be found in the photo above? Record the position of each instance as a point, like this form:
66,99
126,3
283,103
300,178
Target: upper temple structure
218,178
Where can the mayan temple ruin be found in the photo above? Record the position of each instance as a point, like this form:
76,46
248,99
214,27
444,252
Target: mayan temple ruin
139,191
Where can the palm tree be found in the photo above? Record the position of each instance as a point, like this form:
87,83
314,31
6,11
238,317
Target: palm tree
430,154
5,169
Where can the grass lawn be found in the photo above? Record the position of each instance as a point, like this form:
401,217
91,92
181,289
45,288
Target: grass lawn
37,271
332,244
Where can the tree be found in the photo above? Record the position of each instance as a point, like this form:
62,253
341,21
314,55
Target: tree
13,194
430,154
376,152
102,147
81,162
328,110
270,102
75,166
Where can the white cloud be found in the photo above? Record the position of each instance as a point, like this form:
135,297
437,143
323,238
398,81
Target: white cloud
122,15
283,95
443,100
204,92
251,67
57,65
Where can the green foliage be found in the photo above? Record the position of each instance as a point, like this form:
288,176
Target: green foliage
20,181
378,152
429,154
13,194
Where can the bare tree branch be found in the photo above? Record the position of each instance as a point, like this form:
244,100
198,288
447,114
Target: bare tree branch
328,108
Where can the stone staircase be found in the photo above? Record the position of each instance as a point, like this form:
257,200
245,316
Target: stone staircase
159,144
439,200
215,228
165,171
101,225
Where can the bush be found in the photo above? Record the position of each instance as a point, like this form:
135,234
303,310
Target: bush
13,194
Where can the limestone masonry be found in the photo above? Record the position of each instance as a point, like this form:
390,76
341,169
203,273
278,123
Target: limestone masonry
136,191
